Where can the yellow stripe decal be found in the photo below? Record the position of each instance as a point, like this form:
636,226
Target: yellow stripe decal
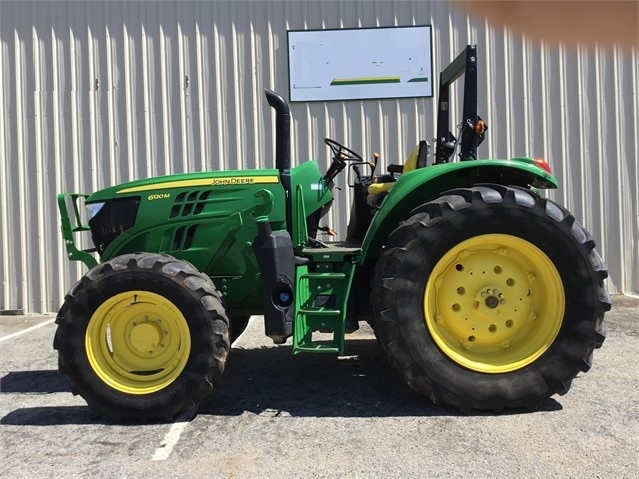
222,181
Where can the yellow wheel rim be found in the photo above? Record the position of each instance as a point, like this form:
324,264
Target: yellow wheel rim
494,303
138,342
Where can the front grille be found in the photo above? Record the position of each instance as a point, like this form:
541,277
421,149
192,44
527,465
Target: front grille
115,217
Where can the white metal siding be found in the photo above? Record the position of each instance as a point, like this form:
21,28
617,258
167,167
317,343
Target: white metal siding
98,93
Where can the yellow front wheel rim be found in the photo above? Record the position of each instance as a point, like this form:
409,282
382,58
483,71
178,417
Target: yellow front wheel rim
138,342
494,303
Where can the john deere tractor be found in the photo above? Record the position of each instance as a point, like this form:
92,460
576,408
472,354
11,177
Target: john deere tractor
482,293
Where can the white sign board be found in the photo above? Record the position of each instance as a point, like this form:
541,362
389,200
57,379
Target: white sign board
355,64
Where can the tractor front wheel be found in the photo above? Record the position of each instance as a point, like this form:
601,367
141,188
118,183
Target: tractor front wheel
490,298
142,337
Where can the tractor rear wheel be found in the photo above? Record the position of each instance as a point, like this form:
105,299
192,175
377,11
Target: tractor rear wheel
489,298
142,337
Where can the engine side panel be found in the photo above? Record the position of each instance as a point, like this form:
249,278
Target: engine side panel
208,219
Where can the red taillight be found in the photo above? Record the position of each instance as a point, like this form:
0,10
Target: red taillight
543,164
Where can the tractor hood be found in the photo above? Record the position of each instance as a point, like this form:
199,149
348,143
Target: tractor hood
180,212
163,187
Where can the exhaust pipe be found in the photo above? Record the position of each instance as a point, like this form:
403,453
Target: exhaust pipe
282,130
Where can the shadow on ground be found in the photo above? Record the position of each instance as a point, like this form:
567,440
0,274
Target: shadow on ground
54,416
272,381
268,381
44,381
41,383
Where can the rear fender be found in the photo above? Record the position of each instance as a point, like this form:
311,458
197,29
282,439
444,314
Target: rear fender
425,184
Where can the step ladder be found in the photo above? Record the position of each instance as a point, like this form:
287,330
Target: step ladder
321,299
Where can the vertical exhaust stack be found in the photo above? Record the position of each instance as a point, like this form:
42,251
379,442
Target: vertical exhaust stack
282,130
282,147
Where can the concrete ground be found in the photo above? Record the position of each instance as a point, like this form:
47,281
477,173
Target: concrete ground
277,415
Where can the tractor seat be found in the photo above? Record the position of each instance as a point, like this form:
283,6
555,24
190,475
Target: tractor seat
416,159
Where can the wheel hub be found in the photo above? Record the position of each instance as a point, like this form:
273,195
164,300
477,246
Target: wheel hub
145,337
492,302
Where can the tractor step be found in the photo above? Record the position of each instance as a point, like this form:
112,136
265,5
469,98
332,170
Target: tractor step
321,299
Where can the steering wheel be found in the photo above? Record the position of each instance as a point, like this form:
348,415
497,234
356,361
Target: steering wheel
340,151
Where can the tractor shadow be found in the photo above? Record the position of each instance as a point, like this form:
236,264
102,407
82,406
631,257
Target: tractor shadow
266,381
34,385
56,416
270,381
34,382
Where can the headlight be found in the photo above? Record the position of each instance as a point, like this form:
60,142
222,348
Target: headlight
93,208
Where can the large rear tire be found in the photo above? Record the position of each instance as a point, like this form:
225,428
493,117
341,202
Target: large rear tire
490,298
142,337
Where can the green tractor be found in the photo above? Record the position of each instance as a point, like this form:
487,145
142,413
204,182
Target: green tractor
481,293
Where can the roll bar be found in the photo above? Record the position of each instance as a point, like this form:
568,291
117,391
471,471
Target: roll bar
465,64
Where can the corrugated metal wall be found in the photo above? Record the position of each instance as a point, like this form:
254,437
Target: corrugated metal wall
97,93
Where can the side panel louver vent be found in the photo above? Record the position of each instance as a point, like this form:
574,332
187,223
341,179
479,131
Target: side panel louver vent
183,238
189,203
